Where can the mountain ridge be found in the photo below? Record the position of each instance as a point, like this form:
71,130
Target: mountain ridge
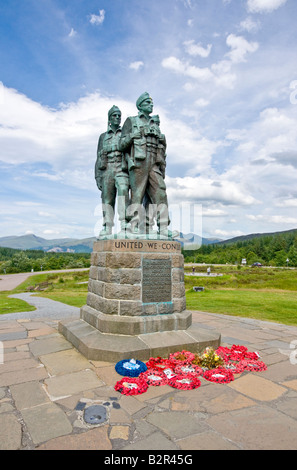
84,245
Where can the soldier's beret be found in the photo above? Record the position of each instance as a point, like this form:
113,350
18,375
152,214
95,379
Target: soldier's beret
142,97
112,110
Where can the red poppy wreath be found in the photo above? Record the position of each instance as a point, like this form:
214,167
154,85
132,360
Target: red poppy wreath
159,363
154,377
219,375
252,365
188,369
184,382
131,386
182,356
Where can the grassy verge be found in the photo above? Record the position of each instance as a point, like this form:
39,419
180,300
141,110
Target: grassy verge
275,306
69,288
8,305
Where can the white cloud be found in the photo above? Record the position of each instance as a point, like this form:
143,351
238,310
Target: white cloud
201,103
136,65
184,68
239,48
249,25
196,49
273,219
97,19
72,33
202,189
264,6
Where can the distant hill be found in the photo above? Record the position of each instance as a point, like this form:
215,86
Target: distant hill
254,235
85,245
32,242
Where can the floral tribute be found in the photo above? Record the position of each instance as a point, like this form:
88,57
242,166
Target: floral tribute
159,363
182,369
188,369
131,386
219,375
253,365
184,382
182,356
210,359
154,377
130,368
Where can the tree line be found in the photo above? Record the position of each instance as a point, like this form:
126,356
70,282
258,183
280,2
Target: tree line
270,250
16,261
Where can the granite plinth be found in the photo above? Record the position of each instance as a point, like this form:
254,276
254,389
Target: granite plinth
95,345
136,305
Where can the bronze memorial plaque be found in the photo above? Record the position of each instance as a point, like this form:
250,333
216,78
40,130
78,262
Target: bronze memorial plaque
156,280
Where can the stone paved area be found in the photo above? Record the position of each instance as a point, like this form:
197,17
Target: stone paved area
46,385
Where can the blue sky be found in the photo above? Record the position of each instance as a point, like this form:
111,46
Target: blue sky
223,77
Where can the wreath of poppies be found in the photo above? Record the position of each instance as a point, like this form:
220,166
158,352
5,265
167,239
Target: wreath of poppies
130,368
253,365
155,377
188,369
131,386
159,363
234,367
182,356
224,352
236,353
219,375
184,382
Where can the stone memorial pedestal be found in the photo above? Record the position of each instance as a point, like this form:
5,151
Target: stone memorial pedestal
136,306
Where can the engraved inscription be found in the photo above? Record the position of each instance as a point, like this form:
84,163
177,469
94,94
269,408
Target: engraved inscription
156,280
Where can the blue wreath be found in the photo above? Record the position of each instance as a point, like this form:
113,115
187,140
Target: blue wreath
133,369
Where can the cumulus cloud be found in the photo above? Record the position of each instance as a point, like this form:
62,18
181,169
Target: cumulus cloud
97,19
185,68
136,65
250,25
197,49
240,47
220,72
264,6
202,189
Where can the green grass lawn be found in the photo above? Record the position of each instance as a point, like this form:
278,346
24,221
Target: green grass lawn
262,305
8,305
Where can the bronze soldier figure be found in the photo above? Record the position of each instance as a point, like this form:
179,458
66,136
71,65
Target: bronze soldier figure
111,174
144,147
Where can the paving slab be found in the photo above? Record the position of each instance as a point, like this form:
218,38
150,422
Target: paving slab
22,376
156,441
208,440
64,362
28,395
257,387
177,424
95,439
10,432
257,428
212,398
46,422
49,345
69,384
